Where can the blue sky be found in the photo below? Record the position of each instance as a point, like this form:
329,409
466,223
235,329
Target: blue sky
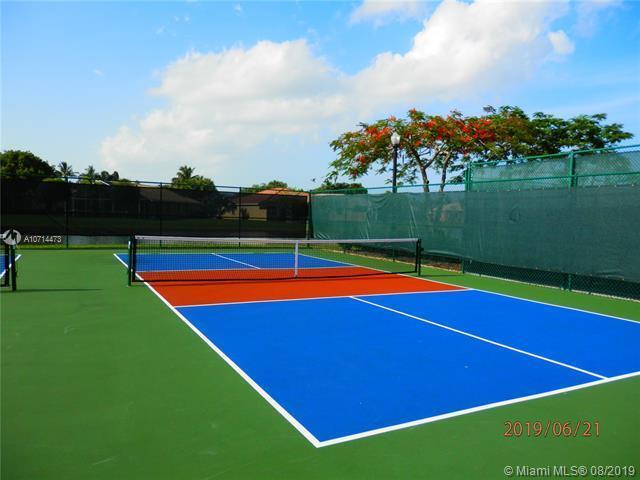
251,91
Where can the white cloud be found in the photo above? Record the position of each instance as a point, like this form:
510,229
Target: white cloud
238,9
98,73
561,43
226,109
382,11
223,104
463,48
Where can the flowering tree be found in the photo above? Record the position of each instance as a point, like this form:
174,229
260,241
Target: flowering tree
443,144
447,144
519,135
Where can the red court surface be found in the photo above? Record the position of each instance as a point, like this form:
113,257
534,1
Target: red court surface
257,274
202,293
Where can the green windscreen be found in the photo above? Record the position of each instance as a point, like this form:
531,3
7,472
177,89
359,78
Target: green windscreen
591,231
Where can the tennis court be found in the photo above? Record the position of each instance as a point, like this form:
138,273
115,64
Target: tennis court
336,376
365,351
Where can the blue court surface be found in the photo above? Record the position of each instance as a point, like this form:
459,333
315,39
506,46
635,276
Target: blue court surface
343,368
157,262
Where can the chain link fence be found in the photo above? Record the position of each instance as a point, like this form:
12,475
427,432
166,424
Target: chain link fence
78,212
565,220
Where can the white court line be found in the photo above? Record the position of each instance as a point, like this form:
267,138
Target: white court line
479,408
482,339
506,295
314,298
5,270
244,269
297,425
237,261
494,293
316,443
344,265
527,299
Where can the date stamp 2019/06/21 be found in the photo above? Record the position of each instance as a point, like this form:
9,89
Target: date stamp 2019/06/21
551,428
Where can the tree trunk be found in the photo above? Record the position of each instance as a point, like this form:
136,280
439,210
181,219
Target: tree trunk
445,165
443,178
425,178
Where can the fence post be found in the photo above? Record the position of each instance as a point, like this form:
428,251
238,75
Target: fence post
239,212
309,218
572,169
573,183
161,212
467,177
66,212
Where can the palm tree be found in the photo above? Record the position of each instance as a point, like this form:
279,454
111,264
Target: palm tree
65,170
184,173
90,174
184,177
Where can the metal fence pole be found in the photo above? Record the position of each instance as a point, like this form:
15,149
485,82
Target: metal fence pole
239,205
572,170
67,203
309,229
160,215
467,178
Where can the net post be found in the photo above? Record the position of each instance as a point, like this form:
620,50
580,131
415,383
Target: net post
296,255
130,260
12,263
419,257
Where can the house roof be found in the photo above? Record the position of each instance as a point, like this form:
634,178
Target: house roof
283,191
270,195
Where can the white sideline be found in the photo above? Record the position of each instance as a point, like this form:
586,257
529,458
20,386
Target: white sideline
316,298
297,425
482,339
488,406
527,299
237,261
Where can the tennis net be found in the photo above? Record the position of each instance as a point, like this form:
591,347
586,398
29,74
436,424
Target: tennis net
162,258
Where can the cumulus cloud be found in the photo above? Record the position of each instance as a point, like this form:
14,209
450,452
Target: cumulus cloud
561,43
382,11
229,102
224,108
463,48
